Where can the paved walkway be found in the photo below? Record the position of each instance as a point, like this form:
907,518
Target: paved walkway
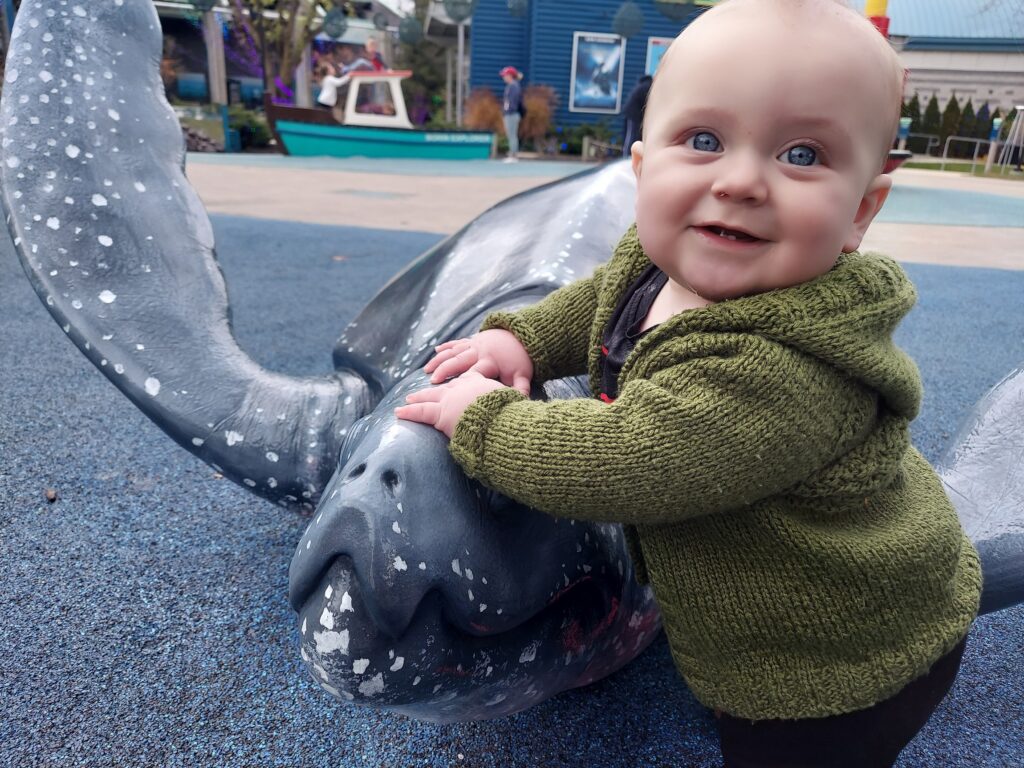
931,216
413,195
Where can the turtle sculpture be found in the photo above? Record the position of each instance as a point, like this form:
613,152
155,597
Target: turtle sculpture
417,590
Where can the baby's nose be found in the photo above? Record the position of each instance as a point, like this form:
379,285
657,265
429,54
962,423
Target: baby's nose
741,180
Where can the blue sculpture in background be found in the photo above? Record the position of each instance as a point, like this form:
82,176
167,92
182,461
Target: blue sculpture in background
417,590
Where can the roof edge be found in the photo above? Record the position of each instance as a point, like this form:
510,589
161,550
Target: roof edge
988,45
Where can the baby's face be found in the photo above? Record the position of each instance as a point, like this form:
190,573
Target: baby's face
762,151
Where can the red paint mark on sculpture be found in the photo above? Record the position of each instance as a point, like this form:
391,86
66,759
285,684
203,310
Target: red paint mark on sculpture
573,639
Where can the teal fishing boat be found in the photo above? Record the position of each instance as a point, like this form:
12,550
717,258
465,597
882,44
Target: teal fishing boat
372,122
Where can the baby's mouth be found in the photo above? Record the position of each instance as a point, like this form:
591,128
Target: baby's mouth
735,235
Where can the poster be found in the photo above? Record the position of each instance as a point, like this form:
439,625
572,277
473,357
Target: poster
598,61
656,47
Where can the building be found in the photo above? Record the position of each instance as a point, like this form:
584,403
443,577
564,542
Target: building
571,46
973,49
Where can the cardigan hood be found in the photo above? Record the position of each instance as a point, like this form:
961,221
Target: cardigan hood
845,318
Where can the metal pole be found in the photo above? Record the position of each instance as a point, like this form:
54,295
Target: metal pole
215,66
304,79
263,47
459,75
993,147
448,84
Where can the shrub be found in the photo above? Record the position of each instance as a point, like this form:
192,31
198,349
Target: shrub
950,120
251,126
540,102
438,122
571,138
912,109
983,122
483,111
931,121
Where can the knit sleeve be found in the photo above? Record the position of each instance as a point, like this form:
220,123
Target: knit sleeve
697,438
555,330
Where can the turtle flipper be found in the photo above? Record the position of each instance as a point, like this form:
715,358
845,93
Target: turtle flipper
117,244
984,476
511,255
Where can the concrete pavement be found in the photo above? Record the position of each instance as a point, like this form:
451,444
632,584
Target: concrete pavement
423,196
931,217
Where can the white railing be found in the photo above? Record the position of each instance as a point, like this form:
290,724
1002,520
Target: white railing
966,140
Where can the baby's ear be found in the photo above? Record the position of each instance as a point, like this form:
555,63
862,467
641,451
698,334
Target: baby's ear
636,153
870,205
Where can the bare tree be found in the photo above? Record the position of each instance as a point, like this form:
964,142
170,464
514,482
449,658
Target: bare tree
278,31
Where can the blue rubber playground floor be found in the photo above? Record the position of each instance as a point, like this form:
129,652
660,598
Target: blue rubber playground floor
144,619
910,204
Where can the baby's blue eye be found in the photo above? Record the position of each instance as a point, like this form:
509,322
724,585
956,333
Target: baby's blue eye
800,155
705,142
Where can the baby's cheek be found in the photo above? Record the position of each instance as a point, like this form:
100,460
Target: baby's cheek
818,216
659,232
651,211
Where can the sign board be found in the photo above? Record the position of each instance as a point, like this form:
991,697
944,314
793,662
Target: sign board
656,47
598,63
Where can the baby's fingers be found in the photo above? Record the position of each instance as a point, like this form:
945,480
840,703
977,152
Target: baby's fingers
453,366
441,356
426,395
450,344
424,413
444,351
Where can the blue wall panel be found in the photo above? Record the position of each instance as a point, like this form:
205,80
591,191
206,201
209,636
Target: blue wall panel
497,40
544,46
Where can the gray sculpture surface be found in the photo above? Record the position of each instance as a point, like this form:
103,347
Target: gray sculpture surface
417,590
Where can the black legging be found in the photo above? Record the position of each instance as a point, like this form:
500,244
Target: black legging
867,738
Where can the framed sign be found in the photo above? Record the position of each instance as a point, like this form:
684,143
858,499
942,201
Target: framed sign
656,47
598,62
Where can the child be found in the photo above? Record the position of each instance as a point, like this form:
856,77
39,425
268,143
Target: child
750,424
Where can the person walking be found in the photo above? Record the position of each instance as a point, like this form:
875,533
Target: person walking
512,110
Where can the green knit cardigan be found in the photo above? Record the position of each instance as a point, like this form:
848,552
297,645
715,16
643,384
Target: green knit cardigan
804,555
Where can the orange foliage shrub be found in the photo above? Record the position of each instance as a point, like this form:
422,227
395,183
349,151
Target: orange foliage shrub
540,101
483,111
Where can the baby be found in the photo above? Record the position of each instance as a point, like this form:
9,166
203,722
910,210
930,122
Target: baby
750,418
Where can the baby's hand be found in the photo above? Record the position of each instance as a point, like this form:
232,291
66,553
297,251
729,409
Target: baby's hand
442,407
496,354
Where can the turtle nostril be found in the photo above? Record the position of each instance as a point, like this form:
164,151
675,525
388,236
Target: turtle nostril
391,480
356,472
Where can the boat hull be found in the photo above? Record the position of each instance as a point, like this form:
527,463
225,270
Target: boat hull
309,140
